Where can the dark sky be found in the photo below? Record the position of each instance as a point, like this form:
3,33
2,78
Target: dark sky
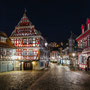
54,18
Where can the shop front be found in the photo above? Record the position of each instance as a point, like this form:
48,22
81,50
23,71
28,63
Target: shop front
84,60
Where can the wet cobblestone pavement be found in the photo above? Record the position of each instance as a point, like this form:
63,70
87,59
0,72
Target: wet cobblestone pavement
61,78
18,80
56,78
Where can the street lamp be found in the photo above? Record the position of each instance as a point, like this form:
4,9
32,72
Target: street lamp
46,44
33,62
73,54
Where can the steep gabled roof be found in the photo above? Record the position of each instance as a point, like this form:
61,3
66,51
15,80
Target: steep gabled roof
24,20
82,35
24,28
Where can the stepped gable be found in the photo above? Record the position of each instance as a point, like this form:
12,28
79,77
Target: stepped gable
24,28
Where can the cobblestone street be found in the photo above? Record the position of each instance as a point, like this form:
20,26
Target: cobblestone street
56,78
18,80
61,78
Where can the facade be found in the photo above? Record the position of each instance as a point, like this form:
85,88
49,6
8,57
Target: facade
6,53
54,56
65,57
53,44
67,51
54,52
31,52
84,47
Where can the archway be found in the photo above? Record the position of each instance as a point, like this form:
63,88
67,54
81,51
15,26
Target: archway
27,66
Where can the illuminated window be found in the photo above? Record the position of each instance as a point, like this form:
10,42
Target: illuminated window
34,57
2,39
25,53
33,45
33,38
83,43
88,41
17,42
30,53
79,45
33,41
23,34
36,41
82,59
88,26
30,41
25,41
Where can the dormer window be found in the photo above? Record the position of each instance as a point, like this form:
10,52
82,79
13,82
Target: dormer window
3,39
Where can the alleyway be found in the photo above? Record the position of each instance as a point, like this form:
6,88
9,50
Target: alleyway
61,78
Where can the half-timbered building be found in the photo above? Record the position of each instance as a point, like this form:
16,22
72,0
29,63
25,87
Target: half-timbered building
84,47
31,52
6,53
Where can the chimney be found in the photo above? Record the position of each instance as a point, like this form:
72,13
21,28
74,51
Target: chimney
88,24
82,28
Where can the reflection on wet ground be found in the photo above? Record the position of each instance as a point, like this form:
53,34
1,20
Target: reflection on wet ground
56,78
18,80
61,78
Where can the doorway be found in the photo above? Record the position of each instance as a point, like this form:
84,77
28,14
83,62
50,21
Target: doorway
27,66
88,64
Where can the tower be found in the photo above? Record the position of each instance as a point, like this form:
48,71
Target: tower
71,42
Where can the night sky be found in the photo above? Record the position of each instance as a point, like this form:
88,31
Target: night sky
55,19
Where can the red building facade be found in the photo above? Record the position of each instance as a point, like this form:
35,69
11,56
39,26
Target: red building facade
31,52
84,47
